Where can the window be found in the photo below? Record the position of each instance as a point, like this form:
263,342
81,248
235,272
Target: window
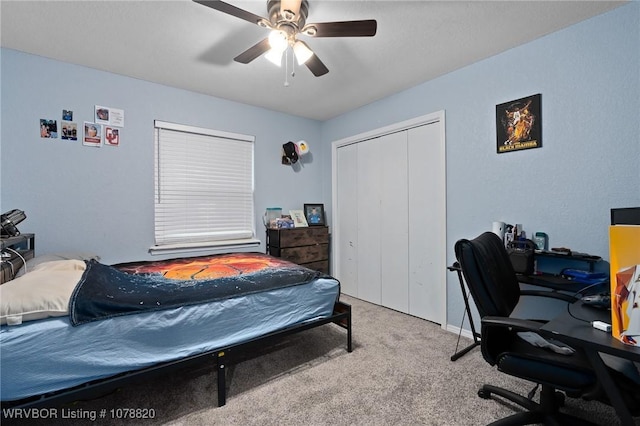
203,188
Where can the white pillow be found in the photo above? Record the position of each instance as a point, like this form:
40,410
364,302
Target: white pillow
42,292
32,263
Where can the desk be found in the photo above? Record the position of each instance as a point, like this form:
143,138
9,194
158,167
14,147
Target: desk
467,312
557,283
550,266
547,281
579,259
581,334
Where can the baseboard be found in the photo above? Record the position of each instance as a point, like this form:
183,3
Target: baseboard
458,331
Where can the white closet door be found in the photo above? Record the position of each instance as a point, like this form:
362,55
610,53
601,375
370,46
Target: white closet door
346,220
393,226
369,180
427,219
393,181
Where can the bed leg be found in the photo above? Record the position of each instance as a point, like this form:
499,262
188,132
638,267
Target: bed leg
344,311
222,387
349,342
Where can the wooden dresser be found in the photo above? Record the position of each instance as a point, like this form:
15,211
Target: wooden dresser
305,246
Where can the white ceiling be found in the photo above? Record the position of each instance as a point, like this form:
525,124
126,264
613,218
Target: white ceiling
186,45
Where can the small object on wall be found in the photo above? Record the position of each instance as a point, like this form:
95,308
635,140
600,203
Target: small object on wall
92,134
69,131
48,128
67,115
111,136
111,116
302,147
519,124
314,213
289,153
299,221
292,152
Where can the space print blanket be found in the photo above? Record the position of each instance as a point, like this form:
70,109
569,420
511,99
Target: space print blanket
108,291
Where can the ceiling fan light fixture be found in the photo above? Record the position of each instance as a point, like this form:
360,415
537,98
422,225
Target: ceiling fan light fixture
287,19
302,52
278,41
274,56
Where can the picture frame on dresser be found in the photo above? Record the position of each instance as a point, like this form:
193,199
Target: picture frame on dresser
299,220
314,214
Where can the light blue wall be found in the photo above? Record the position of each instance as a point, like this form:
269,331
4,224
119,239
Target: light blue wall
589,78
101,199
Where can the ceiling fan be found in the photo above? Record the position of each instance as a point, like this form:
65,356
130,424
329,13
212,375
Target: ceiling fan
287,20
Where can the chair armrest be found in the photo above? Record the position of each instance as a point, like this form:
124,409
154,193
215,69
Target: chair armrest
551,294
513,323
499,334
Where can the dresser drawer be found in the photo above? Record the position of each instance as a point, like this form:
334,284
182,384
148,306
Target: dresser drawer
298,236
308,247
303,254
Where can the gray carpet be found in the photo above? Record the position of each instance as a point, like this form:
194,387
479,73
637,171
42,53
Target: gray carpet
398,373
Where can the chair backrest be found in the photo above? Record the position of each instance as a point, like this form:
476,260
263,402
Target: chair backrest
489,274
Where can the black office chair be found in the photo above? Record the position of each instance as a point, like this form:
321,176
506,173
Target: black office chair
496,291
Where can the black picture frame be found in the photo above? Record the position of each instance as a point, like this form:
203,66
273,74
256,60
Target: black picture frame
519,124
314,213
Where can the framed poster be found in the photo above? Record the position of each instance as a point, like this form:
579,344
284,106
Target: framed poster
519,124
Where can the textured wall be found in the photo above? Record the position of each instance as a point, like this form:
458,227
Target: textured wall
101,199
589,78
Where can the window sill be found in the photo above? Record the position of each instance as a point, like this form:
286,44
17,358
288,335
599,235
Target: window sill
209,247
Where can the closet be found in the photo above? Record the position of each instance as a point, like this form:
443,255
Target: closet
389,243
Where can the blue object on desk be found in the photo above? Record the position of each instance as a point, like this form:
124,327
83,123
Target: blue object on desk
584,277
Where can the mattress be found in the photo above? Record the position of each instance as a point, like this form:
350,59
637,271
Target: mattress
50,355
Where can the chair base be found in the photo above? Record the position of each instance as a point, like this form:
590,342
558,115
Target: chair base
546,412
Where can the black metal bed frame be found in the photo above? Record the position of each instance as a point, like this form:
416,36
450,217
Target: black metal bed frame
221,356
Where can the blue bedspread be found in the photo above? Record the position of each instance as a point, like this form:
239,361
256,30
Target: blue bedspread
108,291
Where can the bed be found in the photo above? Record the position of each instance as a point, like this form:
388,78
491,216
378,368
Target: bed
97,327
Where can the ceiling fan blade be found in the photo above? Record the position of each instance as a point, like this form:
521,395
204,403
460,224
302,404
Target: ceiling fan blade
365,28
253,52
316,66
232,10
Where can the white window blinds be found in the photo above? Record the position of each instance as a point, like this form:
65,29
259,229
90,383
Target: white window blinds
203,186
